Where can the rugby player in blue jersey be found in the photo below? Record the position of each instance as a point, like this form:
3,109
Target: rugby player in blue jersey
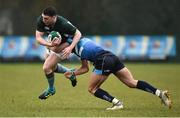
106,63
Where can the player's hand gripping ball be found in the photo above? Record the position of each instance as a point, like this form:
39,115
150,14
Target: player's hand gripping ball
54,35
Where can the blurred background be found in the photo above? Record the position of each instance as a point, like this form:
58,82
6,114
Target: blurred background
135,30
143,33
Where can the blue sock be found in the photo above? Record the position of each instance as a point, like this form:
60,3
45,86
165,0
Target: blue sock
50,78
146,87
103,95
61,69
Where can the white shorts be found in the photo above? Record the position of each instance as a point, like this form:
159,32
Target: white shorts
52,52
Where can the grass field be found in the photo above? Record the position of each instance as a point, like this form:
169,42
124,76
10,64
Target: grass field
21,84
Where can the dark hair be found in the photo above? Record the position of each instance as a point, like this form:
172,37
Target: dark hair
49,11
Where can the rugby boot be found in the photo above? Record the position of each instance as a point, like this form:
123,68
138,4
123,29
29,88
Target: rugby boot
118,105
73,78
47,93
165,98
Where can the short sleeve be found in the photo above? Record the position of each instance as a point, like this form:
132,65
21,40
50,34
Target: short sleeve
68,28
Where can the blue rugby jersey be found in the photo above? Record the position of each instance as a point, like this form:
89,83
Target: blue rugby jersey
86,49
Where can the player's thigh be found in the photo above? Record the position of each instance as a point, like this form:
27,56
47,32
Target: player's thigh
51,61
126,77
95,81
58,49
46,55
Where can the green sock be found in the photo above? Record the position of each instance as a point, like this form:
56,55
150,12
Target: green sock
50,78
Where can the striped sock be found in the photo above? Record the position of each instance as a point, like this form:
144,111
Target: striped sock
146,87
103,95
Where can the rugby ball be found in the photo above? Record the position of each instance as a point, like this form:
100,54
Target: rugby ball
54,35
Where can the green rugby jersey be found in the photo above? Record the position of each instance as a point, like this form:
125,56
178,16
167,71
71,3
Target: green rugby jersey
62,25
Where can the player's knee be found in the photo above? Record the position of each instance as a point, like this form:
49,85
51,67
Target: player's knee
46,69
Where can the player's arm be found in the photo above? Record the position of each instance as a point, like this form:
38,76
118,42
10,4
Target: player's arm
59,48
76,38
71,30
83,69
42,41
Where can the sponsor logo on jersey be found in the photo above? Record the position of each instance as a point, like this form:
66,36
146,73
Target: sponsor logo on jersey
46,28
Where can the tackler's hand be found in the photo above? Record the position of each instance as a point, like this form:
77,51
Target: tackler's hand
70,74
66,52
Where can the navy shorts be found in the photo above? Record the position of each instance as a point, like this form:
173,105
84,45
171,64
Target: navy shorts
107,63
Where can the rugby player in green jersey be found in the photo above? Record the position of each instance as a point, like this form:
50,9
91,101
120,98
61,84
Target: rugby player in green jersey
49,21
